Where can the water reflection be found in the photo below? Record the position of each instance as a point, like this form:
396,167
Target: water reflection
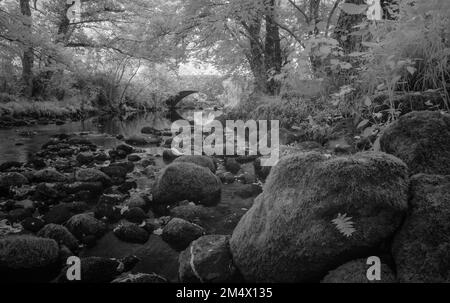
100,130
208,114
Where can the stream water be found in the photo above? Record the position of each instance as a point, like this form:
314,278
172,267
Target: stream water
20,143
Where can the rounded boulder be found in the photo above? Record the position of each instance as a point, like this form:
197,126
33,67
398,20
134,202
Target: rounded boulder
421,249
421,140
28,258
207,260
356,272
187,181
317,212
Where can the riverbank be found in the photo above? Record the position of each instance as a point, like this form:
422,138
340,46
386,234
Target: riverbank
22,112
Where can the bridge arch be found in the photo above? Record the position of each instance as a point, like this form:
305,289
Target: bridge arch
173,101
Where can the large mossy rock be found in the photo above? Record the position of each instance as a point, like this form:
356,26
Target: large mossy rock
12,179
356,272
289,234
421,249
92,175
422,141
131,233
85,225
207,260
187,181
60,234
180,233
49,175
28,258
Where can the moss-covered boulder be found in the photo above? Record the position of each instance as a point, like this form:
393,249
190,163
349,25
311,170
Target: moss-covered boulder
422,141
60,234
317,212
203,161
59,214
28,258
49,175
32,224
115,171
110,212
135,215
207,260
8,180
10,164
180,233
83,225
232,165
356,272
187,181
421,249
131,233
136,200
286,150
191,212
85,158
168,155
92,175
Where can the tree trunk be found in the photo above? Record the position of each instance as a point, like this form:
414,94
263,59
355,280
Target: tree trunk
345,26
273,54
314,6
28,54
255,56
64,31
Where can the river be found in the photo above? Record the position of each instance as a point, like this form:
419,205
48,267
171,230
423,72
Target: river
20,143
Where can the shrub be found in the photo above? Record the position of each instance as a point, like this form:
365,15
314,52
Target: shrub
407,53
290,110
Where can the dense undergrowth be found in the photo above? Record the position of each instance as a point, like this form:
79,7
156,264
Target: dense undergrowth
402,65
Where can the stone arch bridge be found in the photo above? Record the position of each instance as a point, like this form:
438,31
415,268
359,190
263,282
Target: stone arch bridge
173,101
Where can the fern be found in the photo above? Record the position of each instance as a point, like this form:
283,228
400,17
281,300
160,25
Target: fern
344,225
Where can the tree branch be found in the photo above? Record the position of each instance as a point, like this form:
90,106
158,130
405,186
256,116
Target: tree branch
121,51
300,10
333,10
290,32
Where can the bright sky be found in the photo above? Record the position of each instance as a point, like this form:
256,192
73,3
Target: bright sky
197,68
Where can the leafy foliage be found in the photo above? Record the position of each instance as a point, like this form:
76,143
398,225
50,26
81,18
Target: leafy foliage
111,44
